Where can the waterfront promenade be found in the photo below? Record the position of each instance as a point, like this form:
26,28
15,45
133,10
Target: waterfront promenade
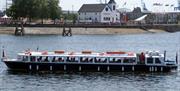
91,29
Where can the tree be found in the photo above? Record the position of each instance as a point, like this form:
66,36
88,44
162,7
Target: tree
43,9
32,9
35,9
54,9
16,10
70,16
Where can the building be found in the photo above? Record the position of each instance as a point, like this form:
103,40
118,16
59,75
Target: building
163,18
99,13
1,13
151,18
178,7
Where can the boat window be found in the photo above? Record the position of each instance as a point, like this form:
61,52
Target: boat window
46,59
105,60
132,60
77,58
43,59
81,59
86,59
157,61
129,60
39,59
126,60
54,59
102,60
25,58
72,59
115,60
61,59
98,60
19,57
112,60
91,59
118,60
32,58
95,59
150,60
67,59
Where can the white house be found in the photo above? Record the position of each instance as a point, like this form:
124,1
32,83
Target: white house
99,13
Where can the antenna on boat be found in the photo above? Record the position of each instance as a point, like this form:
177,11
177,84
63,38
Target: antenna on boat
37,48
176,57
165,55
3,52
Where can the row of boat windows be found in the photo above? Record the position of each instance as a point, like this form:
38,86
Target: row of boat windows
79,59
85,59
151,60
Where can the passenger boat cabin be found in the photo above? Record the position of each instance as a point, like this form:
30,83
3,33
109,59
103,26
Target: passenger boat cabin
83,57
149,58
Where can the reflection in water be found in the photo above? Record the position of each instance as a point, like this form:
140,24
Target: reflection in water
90,81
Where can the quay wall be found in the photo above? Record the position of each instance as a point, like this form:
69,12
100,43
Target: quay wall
84,31
93,30
75,31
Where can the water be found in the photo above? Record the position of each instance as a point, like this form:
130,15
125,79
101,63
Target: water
17,81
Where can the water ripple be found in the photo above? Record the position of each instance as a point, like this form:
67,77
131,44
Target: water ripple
95,81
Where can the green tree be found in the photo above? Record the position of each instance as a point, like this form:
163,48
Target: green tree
17,10
32,9
54,9
35,9
43,10
70,16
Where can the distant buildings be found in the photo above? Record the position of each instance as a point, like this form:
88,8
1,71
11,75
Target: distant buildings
163,18
152,17
99,13
1,14
177,8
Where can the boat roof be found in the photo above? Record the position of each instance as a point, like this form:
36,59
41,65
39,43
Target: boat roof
78,54
154,54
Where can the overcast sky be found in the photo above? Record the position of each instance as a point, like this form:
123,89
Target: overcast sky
76,4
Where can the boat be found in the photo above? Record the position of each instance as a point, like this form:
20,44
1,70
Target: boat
111,61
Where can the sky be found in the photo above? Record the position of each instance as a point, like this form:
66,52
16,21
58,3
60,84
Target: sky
76,4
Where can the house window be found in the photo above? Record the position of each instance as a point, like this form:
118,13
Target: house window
106,9
114,7
79,13
95,13
85,13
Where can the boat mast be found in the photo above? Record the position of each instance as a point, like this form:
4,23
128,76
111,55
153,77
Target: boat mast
3,52
177,58
165,55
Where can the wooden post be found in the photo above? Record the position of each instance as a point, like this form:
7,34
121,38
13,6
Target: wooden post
19,31
67,32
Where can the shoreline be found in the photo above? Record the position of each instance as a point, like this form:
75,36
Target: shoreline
79,31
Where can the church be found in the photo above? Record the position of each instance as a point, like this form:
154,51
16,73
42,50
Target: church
99,13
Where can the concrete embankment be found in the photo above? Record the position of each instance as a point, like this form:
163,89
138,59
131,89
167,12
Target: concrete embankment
78,31
7,30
